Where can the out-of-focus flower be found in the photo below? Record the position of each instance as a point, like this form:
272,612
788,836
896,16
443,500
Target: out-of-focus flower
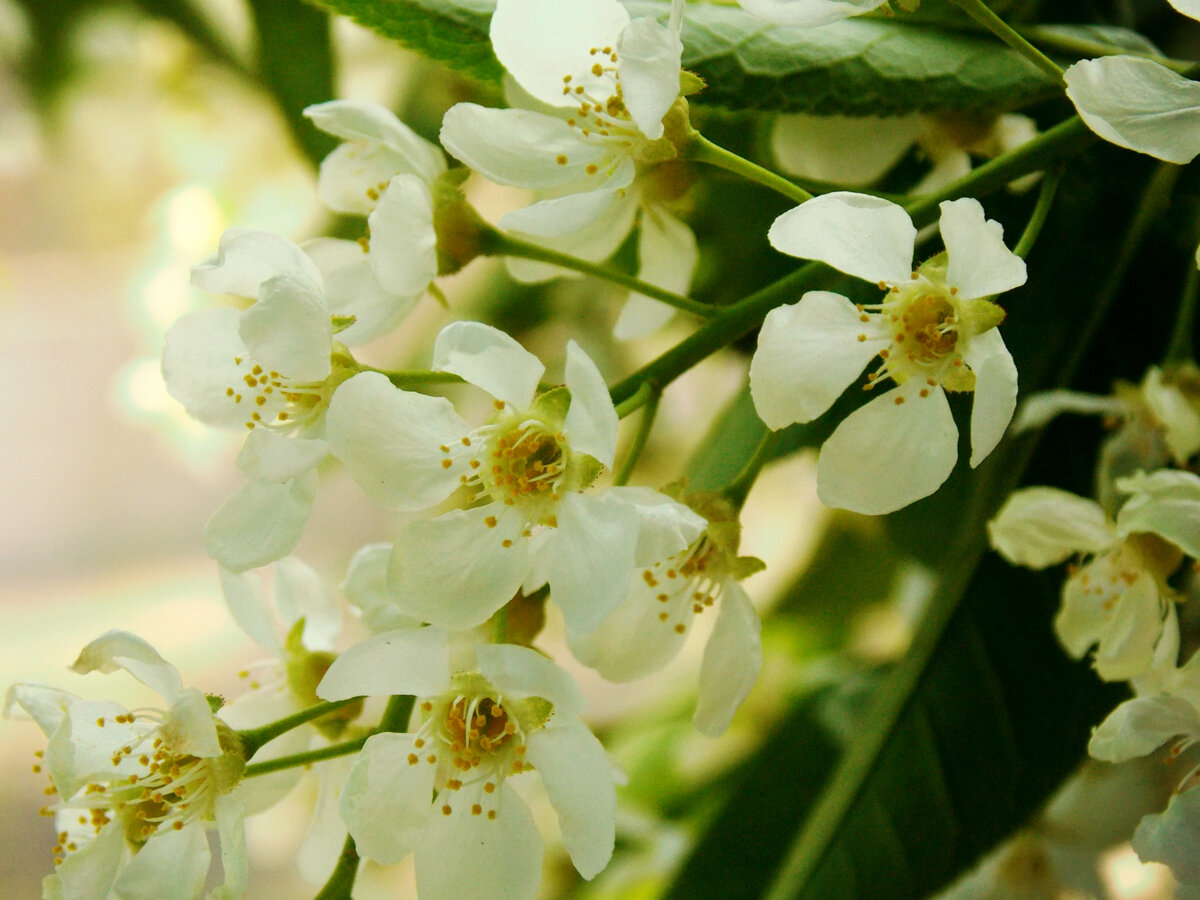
935,332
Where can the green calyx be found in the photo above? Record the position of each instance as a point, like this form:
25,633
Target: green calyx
304,670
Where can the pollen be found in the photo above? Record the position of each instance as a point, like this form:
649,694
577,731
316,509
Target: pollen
899,401
592,169
561,159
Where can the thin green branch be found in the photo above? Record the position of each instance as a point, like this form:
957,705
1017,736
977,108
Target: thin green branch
1182,348
1049,36
498,243
645,424
701,149
637,401
294,760
739,489
397,713
981,13
341,881
254,738
410,378
1041,209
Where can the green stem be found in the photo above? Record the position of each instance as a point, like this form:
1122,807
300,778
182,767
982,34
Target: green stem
500,626
701,149
292,761
341,880
980,12
411,378
1041,209
738,489
1084,48
254,738
1181,348
645,423
397,713
639,399
497,243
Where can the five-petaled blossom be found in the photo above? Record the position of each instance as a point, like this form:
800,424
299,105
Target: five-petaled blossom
270,369
935,331
137,789
383,171
441,792
527,469
649,628
602,86
1118,600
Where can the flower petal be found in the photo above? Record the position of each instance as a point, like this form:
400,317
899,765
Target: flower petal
44,704
270,456
888,454
864,236
808,13
591,423
351,289
599,198
356,120
115,650
91,870
541,41
1139,105
995,392
247,602
665,527
455,571
198,365
502,854
245,259
595,241
1166,503
808,354
578,779
403,253
490,359
523,672
590,558
1041,408
172,865
289,329
732,661
667,257
1171,837
1140,726
520,147
385,802
649,65
1126,644
1189,8
261,522
390,441
366,589
1041,526
407,661
300,593
850,150
980,263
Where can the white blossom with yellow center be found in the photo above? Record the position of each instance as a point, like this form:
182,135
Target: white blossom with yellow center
934,331
440,791
137,789
600,87
527,469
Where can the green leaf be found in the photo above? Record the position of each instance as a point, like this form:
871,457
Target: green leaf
295,63
876,66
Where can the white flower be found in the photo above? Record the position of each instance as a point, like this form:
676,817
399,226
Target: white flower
649,628
270,369
602,85
137,789
441,792
527,467
808,13
935,332
856,151
1138,104
384,171
1119,600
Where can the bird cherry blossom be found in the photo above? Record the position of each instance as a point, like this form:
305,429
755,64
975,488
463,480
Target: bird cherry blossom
935,331
1119,599
440,791
650,626
269,369
137,789
601,91
526,471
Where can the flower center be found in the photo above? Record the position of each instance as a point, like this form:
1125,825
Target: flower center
525,463
687,583
270,400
